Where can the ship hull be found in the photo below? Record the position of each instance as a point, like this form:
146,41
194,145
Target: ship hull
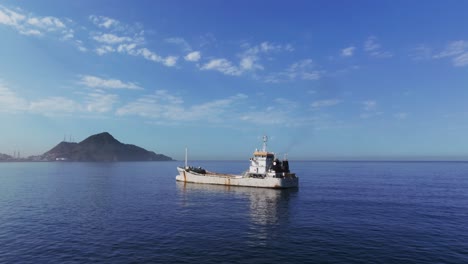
237,180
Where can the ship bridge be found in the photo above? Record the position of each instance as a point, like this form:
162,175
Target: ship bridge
263,154
262,160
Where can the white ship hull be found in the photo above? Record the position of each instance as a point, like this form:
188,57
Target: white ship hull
287,180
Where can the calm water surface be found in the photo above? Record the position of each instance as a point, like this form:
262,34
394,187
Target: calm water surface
347,212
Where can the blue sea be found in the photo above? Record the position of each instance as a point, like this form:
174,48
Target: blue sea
135,212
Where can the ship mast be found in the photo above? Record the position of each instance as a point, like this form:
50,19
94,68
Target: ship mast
185,157
265,139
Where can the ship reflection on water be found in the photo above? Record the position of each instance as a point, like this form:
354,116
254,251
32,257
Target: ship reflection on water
266,211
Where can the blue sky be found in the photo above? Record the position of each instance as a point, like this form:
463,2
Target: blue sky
324,79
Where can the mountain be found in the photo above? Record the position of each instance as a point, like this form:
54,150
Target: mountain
5,157
101,147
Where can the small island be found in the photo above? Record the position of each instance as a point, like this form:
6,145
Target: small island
101,147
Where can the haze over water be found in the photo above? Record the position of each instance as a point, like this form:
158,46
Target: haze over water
348,212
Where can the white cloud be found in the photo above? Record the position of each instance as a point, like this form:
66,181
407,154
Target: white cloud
103,22
348,52
461,60
170,61
300,70
48,23
193,56
11,18
249,63
31,32
223,66
125,39
126,48
454,48
266,47
457,51
249,60
111,39
104,49
82,48
97,82
130,45
149,55
30,25
374,49
325,103
304,70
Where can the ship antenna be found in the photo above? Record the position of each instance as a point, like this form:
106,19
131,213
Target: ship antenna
265,139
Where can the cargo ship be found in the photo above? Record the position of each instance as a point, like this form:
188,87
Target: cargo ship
265,171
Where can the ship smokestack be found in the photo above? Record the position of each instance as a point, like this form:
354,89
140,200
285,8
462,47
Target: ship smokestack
285,166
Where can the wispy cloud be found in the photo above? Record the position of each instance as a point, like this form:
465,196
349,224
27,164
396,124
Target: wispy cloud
9,101
11,18
193,56
164,106
94,102
97,82
250,59
100,102
401,115
348,52
369,109
222,65
300,70
374,48
182,43
304,70
53,106
28,24
369,105
152,56
104,22
324,103
457,51
421,52
266,47
282,112
117,37
109,38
